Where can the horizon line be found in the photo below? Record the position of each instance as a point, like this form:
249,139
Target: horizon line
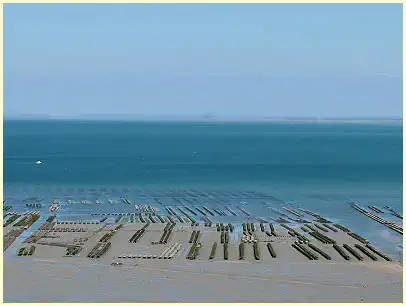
201,119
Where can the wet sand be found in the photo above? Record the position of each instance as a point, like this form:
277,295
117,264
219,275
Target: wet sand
49,276
53,281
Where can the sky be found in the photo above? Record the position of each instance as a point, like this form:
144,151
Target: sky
188,60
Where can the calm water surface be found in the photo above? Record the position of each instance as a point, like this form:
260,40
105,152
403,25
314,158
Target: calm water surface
319,166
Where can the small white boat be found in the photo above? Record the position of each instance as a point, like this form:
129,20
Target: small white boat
38,162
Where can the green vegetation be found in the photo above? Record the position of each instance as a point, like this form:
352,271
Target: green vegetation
241,250
341,252
322,238
70,251
27,221
330,227
271,250
106,237
167,232
189,218
302,238
378,253
192,237
11,220
311,227
304,229
192,220
344,229
352,251
306,252
21,252
22,222
322,220
190,210
139,233
152,219
170,219
99,250
322,253
225,245
7,207
257,254
194,251
321,228
272,229
31,251
300,249
213,251
200,211
358,237
210,212
196,237
291,230
117,219
366,252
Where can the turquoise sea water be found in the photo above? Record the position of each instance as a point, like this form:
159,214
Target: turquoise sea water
319,166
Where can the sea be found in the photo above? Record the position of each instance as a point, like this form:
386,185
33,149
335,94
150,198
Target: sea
260,167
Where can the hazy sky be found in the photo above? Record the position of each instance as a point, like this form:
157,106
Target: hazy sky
190,59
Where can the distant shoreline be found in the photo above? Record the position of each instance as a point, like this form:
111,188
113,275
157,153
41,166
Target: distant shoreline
215,120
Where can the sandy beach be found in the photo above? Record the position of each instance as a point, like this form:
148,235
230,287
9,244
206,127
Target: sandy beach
56,281
50,276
